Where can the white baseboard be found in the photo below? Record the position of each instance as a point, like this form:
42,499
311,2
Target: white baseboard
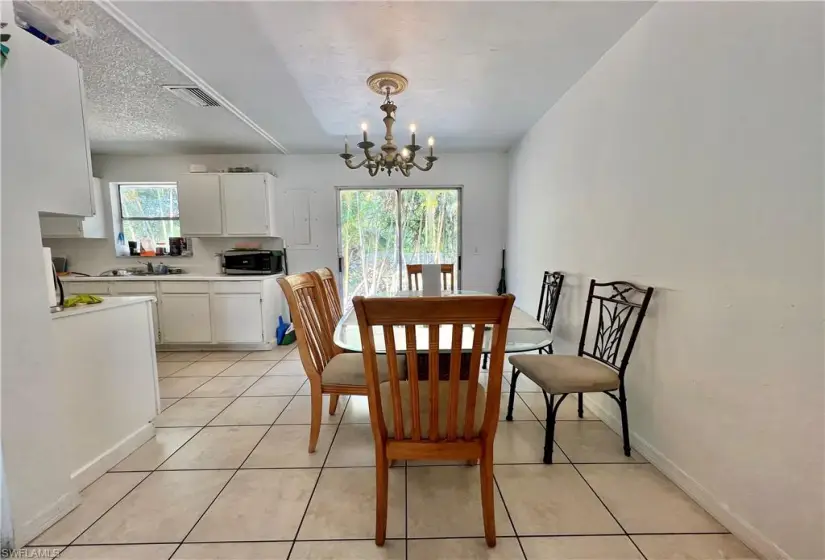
46,518
98,466
747,533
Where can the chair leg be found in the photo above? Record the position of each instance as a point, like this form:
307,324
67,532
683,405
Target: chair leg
625,429
333,404
488,511
382,473
484,361
511,402
551,428
581,405
317,402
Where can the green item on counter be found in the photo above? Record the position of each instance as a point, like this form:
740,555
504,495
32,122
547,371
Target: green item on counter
81,299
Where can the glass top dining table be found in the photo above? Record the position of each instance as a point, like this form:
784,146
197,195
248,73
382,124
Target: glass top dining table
524,332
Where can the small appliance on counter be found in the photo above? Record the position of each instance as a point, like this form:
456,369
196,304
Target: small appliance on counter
252,261
179,247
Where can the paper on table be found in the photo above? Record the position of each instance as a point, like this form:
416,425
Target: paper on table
431,279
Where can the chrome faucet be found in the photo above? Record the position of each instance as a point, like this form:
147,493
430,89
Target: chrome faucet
149,267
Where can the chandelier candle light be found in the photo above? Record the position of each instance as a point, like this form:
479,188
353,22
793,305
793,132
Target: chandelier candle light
389,159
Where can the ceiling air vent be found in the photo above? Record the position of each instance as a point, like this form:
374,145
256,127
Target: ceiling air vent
193,95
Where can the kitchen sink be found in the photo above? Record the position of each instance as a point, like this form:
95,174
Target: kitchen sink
136,272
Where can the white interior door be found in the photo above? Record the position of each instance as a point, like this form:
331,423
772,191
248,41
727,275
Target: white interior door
246,208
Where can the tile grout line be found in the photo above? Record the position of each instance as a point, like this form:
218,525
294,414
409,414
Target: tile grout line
200,428
601,501
320,473
361,539
425,466
183,540
509,517
148,475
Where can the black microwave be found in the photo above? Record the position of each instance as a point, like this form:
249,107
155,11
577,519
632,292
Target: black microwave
242,261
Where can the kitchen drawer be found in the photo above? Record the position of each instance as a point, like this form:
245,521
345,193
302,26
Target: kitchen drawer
173,287
133,287
236,287
96,288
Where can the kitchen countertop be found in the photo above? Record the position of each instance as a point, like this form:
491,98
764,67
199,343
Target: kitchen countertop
108,303
169,277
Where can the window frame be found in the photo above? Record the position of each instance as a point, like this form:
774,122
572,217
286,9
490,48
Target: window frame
159,184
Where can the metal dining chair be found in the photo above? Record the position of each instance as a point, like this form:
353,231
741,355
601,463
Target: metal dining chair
600,370
416,271
548,303
433,419
329,369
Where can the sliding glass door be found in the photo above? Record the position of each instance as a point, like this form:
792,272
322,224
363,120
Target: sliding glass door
380,231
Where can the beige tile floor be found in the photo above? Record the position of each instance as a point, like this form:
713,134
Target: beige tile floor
228,477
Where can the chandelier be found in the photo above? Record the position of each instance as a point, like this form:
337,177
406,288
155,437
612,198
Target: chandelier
389,159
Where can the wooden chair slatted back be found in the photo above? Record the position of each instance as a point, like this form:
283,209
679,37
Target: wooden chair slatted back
312,330
415,272
329,292
400,316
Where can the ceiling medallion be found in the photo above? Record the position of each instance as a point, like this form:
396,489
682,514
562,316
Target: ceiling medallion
389,159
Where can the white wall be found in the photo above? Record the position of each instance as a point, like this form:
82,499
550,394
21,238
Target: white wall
483,177
690,158
33,439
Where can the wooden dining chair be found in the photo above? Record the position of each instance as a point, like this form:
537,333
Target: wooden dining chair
331,298
600,370
415,273
432,419
330,371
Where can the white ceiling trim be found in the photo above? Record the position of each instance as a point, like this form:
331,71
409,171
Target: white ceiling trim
153,44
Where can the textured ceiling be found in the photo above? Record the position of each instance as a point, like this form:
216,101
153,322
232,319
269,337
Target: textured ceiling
481,73
127,111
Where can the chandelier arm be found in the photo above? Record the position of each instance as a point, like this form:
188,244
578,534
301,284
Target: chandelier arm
425,168
351,166
373,171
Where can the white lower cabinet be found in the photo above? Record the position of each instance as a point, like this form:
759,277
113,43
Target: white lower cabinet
202,313
185,318
237,318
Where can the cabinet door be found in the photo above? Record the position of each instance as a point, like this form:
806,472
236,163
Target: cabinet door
237,318
52,226
185,318
199,203
246,208
47,151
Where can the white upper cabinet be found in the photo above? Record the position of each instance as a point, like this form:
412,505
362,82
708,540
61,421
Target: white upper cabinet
199,203
43,121
92,227
246,204
227,205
